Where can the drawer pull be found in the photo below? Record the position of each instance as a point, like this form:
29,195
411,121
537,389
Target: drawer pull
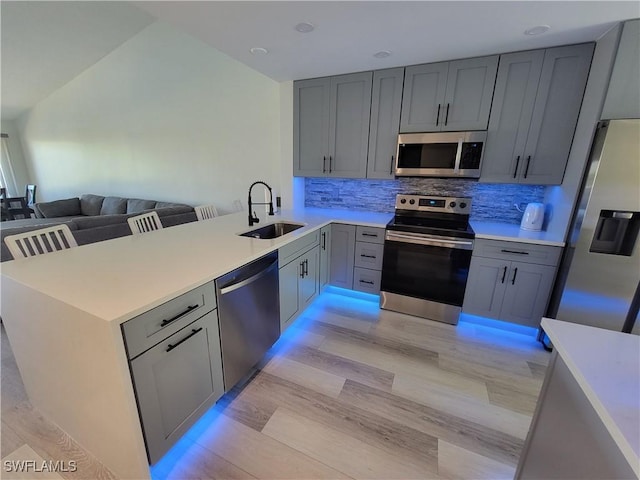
367,256
374,235
164,323
366,281
514,251
193,332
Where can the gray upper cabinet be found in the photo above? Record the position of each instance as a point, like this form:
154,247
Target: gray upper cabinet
623,96
310,126
386,102
535,111
448,96
331,126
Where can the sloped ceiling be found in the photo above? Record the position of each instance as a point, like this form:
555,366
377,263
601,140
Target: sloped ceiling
46,44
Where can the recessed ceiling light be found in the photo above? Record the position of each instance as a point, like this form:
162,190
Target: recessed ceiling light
382,54
259,51
537,30
304,27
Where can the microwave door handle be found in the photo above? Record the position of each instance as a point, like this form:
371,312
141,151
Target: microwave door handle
456,166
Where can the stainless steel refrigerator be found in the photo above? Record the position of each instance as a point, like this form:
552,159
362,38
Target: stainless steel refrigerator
599,277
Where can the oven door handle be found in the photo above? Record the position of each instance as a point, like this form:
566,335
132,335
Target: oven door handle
430,241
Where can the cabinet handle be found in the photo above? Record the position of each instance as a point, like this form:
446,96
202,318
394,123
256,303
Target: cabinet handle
301,269
367,256
330,163
366,281
504,274
306,267
391,167
446,118
166,322
514,251
193,332
324,164
324,241
526,169
515,171
515,272
438,115
374,235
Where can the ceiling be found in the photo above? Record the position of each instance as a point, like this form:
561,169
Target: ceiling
47,44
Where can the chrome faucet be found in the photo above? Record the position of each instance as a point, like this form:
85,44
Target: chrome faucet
252,216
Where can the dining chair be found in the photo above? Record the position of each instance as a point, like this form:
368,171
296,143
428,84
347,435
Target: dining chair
16,208
30,195
39,242
147,222
206,212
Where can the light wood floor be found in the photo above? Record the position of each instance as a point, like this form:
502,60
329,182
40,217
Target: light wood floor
349,391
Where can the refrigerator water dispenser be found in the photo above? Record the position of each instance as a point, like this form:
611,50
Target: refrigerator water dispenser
616,232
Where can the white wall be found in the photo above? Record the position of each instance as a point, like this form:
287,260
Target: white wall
163,117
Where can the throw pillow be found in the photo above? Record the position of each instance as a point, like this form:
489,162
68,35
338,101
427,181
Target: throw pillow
91,204
113,205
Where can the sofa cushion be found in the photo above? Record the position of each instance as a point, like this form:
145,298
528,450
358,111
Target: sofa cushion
99,234
163,212
91,204
171,204
178,219
82,223
136,205
60,208
112,205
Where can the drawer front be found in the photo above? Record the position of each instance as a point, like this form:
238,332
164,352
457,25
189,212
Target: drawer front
522,252
296,248
369,255
146,330
370,234
366,280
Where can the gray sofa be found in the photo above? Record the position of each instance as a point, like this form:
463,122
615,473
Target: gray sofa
94,218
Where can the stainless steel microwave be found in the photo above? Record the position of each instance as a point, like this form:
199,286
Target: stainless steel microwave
446,154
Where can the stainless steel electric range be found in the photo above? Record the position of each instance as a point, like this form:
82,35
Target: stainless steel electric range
427,252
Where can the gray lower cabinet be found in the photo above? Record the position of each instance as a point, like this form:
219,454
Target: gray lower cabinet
299,280
325,255
448,96
176,381
623,95
331,126
511,282
343,242
386,102
534,115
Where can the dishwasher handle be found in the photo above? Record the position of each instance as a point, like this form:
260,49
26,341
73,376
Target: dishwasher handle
241,282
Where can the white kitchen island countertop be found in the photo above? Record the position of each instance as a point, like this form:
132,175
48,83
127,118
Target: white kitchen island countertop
513,233
118,279
606,365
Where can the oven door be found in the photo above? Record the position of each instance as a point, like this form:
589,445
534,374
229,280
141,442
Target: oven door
428,267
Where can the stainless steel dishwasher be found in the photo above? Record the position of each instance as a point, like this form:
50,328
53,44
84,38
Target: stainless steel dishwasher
249,313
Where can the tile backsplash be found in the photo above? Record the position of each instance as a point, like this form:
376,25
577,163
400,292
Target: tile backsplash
491,202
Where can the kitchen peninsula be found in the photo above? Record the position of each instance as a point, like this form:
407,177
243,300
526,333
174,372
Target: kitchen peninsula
63,314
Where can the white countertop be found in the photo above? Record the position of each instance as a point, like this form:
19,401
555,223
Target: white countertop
606,365
513,233
118,279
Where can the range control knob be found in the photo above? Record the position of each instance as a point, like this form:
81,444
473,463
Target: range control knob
403,200
412,201
463,205
452,204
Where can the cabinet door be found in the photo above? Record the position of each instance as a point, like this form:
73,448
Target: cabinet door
311,109
486,285
176,381
386,101
309,283
343,242
423,98
513,101
555,114
349,125
469,93
325,252
623,95
289,283
527,293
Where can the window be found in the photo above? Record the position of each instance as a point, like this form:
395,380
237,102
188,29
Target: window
7,177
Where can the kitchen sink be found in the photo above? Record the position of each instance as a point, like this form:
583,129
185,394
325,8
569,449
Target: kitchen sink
272,230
